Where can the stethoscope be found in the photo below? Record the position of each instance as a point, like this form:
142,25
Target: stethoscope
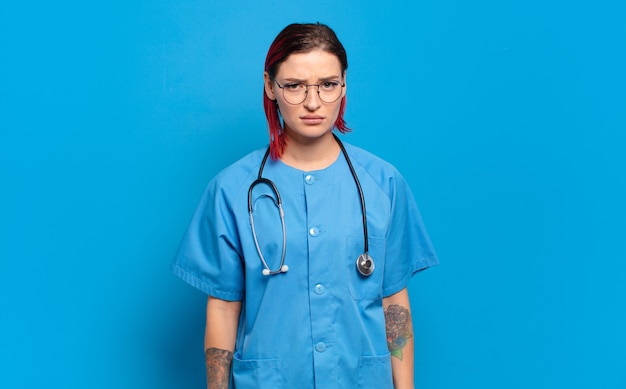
364,262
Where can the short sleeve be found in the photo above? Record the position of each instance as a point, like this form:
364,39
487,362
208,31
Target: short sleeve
209,255
408,246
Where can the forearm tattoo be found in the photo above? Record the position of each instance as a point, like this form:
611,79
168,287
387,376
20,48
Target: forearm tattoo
217,367
397,320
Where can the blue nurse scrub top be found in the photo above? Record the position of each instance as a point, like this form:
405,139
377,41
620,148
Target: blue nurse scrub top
321,324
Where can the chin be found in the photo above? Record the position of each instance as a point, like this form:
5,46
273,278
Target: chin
309,132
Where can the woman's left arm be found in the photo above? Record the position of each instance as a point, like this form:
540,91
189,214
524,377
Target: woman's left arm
400,338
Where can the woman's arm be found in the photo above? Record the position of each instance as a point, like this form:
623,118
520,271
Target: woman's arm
400,338
222,318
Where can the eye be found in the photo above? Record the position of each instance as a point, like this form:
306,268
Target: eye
293,86
330,85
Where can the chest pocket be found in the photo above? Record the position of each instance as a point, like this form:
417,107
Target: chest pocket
365,287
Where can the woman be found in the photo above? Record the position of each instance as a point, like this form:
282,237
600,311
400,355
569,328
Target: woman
316,298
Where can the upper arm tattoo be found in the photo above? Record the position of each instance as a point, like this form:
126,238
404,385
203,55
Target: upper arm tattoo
217,367
397,320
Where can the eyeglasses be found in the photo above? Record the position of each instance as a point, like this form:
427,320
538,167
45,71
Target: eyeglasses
296,92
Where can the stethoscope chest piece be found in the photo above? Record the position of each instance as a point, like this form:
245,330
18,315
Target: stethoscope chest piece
365,264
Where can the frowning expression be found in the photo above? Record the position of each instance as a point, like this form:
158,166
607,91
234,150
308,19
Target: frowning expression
312,118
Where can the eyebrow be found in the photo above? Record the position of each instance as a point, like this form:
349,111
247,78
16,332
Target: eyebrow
322,79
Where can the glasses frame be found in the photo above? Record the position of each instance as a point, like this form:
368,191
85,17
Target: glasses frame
306,91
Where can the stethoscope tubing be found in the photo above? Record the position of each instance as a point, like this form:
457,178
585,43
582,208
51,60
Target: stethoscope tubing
365,264
279,203
358,186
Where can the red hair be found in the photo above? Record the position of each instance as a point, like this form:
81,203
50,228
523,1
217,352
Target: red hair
299,38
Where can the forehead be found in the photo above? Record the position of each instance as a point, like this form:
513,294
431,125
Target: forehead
317,63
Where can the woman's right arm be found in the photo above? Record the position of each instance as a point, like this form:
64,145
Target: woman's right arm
222,319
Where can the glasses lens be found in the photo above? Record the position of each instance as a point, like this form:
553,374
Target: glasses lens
330,91
294,93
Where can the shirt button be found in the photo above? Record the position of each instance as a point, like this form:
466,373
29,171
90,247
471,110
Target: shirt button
319,289
314,231
309,179
320,347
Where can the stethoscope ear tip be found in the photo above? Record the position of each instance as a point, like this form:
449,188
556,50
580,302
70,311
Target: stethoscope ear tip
283,269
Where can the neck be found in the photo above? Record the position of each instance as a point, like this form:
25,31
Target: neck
311,155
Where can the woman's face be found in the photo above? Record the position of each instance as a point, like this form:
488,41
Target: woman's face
313,118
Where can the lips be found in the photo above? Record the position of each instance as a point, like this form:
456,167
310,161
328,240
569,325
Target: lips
312,119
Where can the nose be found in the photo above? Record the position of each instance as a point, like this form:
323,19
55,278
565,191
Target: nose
312,99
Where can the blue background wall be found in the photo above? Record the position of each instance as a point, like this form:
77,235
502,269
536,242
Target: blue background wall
507,118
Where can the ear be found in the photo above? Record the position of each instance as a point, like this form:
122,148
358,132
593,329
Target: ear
345,88
269,88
